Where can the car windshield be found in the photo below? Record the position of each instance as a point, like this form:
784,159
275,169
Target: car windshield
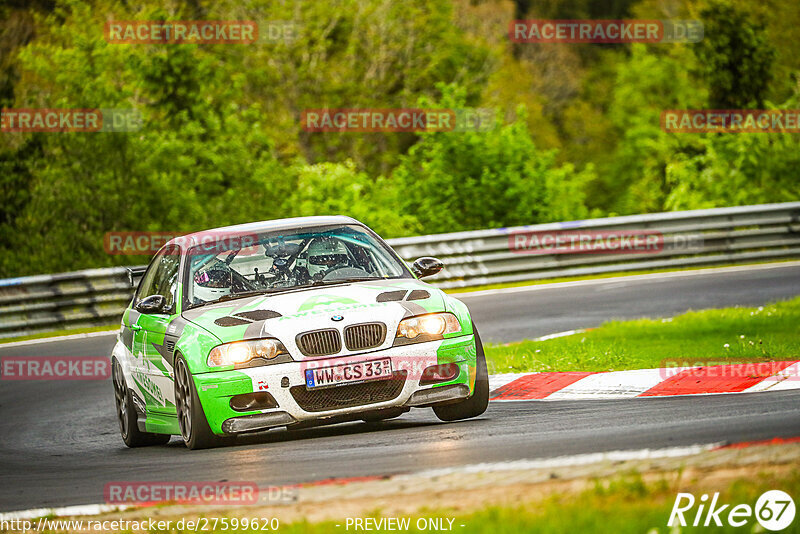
227,266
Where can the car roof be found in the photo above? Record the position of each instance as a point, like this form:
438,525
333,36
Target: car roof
293,223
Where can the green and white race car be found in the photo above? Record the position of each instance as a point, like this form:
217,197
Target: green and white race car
289,323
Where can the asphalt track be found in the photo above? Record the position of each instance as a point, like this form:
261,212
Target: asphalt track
59,442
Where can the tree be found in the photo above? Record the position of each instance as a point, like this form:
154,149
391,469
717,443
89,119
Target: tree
486,179
735,55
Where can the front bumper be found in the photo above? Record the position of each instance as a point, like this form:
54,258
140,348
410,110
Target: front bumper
296,404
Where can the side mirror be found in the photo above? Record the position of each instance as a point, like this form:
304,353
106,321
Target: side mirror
152,304
426,266
135,275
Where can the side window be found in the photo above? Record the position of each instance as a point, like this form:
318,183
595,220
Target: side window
162,277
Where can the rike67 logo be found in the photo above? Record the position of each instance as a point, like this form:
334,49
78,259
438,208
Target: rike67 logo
774,510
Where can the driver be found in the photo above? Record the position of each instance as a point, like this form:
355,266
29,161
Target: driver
326,255
212,284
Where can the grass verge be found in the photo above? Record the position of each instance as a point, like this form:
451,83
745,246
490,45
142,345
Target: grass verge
625,504
762,334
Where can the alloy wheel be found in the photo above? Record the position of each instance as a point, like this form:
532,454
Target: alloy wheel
183,399
121,399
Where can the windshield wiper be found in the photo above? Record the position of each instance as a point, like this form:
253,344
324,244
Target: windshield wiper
233,296
347,280
253,293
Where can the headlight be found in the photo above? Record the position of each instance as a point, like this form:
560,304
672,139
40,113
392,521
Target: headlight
241,352
426,328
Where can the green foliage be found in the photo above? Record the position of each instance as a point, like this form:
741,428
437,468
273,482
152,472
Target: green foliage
196,163
482,179
335,188
735,56
735,170
577,131
647,84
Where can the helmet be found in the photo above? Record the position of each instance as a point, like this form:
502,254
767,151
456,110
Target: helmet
324,254
212,284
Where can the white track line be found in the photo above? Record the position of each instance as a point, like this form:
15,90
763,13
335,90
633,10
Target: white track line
566,461
59,338
562,334
66,511
635,277
788,378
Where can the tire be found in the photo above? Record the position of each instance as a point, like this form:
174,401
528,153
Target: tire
476,404
192,420
126,414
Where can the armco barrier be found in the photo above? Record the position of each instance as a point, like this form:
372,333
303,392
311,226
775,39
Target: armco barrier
688,238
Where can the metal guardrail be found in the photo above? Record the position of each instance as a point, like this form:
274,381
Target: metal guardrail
689,238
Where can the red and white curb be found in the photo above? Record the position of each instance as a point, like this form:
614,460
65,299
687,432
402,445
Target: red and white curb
665,382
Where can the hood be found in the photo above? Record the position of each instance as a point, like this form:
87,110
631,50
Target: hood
284,315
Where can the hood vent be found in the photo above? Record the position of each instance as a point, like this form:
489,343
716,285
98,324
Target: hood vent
400,294
391,296
258,315
231,321
246,317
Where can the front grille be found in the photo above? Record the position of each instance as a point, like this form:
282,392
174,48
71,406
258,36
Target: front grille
319,342
338,397
364,336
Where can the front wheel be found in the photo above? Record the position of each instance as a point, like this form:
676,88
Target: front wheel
476,404
126,414
192,420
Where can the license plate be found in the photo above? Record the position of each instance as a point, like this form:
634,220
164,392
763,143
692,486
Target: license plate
349,373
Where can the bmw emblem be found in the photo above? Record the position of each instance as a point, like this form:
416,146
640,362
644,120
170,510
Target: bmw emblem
337,318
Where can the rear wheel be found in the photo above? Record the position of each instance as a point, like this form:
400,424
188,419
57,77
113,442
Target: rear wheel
192,420
476,404
126,414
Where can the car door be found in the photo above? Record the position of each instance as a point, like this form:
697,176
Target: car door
152,339
133,335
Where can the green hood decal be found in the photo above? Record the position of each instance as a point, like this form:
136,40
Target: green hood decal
286,314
